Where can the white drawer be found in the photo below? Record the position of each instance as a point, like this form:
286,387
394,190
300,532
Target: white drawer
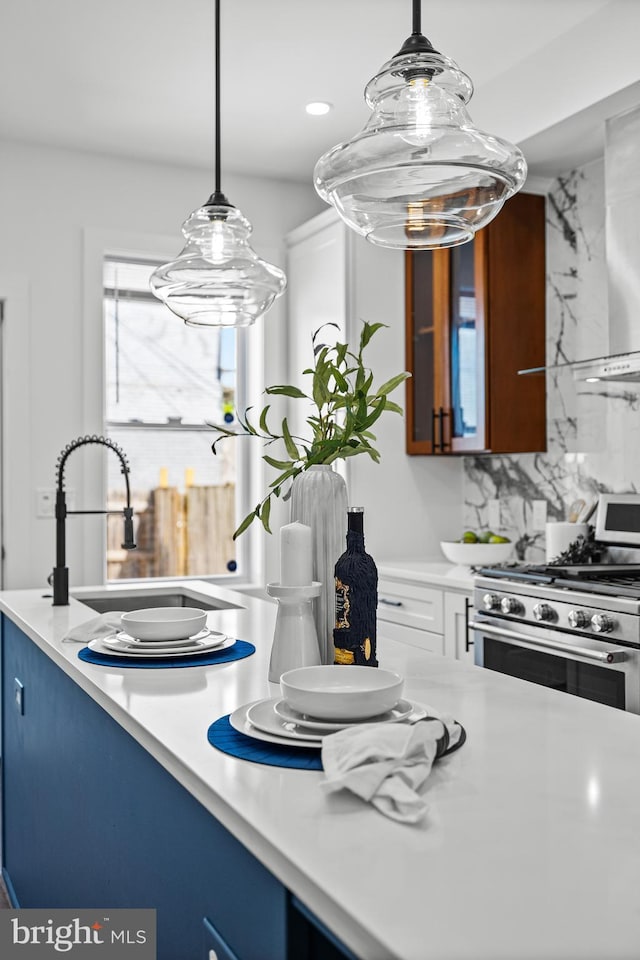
424,639
411,605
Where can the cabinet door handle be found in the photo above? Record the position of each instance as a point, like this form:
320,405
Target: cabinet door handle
391,603
468,643
438,444
444,445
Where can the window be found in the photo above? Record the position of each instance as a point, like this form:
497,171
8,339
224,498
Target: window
164,381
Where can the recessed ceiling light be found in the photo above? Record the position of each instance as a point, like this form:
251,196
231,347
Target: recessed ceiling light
317,108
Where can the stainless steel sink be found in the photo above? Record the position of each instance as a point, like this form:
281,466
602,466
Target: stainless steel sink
130,600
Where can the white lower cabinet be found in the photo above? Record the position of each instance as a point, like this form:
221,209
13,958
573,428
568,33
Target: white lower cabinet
425,616
434,642
458,639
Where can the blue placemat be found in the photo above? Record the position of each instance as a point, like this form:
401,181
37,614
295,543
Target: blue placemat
238,651
222,736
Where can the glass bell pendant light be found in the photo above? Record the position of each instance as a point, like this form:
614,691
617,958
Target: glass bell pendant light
218,280
419,175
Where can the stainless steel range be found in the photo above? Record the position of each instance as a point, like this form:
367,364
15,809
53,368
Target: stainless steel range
575,628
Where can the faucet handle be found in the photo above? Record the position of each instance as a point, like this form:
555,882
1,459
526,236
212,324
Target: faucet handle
129,540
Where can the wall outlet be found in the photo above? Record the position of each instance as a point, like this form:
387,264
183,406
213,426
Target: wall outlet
493,519
45,502
539,517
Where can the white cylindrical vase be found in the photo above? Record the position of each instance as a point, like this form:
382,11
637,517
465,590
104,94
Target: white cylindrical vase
319,499
559,537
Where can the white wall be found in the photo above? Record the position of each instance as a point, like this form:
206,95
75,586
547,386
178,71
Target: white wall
53,203
576,70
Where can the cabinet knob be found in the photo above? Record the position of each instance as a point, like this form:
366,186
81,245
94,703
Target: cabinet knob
391,603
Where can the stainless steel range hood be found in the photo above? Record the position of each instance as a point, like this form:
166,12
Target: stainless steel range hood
622,231
624,367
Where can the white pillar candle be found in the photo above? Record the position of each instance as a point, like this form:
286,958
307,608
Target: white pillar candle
296,569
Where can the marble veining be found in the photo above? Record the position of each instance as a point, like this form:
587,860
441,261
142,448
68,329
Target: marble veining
593,432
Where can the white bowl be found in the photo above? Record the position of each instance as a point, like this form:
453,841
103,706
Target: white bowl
164,623
475,554
341,692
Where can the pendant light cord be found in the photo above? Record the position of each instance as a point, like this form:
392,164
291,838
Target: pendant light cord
217,97
416,43
217,198
416,17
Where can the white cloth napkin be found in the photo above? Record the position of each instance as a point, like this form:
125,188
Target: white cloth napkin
386,763
102,626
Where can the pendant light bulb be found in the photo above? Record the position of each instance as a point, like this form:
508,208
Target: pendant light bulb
218,280
216,245
419,175
416,109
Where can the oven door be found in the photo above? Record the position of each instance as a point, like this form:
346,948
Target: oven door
596,670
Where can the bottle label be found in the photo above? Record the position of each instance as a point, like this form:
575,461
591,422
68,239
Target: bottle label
343,656
343,605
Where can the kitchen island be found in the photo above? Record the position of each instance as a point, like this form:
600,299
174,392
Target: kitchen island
530,848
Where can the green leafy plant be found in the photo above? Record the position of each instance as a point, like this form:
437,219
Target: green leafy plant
345,405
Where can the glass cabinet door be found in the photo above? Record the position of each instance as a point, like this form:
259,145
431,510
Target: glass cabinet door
475,317
465,337
445,404
420,348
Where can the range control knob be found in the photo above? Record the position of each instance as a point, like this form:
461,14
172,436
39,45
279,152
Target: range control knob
542,611
601,623
578,619
491,601
510,605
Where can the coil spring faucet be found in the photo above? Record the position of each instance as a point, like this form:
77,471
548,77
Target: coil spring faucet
60,576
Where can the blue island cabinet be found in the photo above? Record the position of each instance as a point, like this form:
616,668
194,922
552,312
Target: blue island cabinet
90,819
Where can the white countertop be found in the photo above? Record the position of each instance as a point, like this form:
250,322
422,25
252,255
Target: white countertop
438,573
531,847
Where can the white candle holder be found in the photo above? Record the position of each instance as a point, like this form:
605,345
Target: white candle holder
295,639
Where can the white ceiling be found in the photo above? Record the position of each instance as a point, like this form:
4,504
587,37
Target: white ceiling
135,77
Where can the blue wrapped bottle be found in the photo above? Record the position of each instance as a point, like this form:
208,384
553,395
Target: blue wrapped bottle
356,580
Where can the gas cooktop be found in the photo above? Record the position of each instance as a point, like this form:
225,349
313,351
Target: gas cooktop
619,579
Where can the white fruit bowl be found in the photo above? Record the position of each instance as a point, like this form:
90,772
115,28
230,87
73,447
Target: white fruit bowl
164,623
341,692
475,554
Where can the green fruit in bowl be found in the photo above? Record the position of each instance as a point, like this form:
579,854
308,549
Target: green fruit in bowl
494,538
469,537
486,536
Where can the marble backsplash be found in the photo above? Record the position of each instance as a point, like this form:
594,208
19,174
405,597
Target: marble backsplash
593,430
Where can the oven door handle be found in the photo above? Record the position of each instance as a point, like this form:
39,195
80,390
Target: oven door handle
608,656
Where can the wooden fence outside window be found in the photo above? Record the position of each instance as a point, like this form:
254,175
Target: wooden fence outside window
177,534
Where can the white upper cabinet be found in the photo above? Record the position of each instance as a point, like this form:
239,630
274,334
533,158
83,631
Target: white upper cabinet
317,271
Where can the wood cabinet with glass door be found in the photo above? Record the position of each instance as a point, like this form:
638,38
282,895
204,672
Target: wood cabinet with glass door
475,316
